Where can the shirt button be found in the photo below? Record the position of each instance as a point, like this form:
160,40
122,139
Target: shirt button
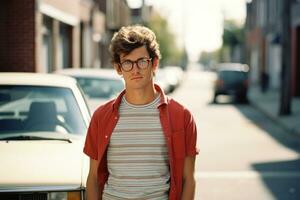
116,117
106,136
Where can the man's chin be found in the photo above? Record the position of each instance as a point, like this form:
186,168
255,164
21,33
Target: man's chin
137,86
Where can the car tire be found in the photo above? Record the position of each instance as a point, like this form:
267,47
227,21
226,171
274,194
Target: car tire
215,98
242,98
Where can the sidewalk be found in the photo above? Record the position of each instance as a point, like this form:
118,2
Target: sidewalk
268,103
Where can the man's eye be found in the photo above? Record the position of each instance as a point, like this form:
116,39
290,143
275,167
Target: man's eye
127,63
143,61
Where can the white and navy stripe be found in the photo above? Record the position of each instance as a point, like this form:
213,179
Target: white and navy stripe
137,155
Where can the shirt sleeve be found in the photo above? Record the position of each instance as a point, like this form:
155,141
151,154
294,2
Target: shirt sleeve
191,134
91,140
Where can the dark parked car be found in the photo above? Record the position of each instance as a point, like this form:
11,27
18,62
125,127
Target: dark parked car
232,79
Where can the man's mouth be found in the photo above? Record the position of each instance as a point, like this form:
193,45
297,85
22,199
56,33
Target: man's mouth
136,78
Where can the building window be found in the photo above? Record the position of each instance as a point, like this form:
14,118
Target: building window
81,45
86,51
47,46
262,13
65,46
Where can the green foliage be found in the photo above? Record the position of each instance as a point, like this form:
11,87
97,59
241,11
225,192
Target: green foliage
171,54
209,59
233,34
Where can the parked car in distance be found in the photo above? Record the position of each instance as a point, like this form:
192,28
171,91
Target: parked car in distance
161,79
98,85
232,79
43,123
169,78
174,76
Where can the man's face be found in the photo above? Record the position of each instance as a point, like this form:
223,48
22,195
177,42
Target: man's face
137,78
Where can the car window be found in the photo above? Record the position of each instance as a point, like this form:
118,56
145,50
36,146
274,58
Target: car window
39,108
232,75
100,87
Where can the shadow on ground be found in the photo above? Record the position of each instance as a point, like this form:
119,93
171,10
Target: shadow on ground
282,178
273,129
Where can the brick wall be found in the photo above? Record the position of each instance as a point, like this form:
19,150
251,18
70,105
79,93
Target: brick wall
17,35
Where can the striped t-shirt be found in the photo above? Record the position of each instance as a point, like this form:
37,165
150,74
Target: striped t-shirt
137,156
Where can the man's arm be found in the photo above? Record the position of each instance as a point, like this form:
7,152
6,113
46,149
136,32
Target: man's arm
189,183
92,187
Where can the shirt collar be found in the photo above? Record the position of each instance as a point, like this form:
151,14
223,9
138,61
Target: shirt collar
163,98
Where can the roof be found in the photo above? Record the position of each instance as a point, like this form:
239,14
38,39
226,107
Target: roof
93,73
232,67
24,78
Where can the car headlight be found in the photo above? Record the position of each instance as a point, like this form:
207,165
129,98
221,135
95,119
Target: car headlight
64,195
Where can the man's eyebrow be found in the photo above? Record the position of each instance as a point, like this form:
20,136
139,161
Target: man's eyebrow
134,60
127,60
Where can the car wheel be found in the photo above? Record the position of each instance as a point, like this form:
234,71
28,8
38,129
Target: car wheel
215,98
242,98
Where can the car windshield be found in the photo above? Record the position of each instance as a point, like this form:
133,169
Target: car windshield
100,87
39,108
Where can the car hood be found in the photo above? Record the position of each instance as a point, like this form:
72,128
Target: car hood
95,103
42,163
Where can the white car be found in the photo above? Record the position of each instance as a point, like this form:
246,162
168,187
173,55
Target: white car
174,76
169,78
98,85
161,79
43,122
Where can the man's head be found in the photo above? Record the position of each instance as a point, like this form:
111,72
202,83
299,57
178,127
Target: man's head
135,56
131,37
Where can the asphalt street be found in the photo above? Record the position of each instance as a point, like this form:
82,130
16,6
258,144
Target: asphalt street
243,154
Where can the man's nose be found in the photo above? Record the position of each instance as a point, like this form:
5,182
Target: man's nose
135,67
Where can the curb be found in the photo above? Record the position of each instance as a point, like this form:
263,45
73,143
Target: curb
290,130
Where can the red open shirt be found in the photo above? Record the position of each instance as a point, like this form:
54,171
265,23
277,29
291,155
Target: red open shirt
178,126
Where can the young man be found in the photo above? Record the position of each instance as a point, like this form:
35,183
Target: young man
142,145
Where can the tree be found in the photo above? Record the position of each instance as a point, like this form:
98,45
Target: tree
171,54
210,59
233,37
233,34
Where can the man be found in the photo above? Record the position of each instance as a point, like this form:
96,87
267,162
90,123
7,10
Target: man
142,145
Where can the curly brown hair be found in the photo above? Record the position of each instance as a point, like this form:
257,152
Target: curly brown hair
129,38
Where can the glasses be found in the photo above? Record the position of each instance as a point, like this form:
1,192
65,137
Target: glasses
141,63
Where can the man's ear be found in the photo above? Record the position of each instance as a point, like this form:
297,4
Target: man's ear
155,63
117,68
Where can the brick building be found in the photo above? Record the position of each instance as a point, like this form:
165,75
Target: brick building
45,35
17,35
295,26
117,14
264,48
265,37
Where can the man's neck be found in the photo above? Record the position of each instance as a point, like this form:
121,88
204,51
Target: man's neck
141,96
